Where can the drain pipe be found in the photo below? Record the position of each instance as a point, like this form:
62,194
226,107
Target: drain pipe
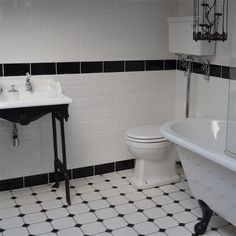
15,136
189,61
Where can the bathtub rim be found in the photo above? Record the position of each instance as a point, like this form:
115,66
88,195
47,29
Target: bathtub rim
217,157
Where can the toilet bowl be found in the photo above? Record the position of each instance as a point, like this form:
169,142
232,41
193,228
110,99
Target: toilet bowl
155,157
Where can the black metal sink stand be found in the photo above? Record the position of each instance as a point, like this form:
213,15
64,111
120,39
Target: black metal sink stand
26,115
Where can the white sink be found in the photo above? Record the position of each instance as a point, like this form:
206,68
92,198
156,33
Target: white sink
46,92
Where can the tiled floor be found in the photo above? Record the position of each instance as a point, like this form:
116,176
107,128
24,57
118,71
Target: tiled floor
105,205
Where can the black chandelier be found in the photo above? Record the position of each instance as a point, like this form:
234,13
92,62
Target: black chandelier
210,21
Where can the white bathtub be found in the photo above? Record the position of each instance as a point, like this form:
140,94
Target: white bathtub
211,173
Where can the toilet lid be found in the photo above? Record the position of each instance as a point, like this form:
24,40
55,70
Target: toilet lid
151,132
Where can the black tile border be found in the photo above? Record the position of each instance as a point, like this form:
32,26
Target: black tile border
39,179
84,67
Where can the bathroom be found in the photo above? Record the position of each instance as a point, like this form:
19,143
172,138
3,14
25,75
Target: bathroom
112,58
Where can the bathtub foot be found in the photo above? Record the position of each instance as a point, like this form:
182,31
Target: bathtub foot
200,228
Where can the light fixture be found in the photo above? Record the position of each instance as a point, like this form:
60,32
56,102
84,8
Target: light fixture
210,21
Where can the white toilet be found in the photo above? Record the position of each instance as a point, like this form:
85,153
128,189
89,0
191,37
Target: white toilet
156,156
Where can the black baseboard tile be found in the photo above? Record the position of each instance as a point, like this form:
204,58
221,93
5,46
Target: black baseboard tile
83,172
1,72
154,65
60,176
17,69
10,184
92,67
125,165
68,67
43,68
35,180
114,66
104,168
134,66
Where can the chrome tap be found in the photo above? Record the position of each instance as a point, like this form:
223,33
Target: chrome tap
28,84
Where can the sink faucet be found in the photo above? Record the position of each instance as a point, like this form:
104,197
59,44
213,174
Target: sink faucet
28,84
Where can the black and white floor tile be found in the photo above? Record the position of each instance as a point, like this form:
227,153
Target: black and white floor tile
105,205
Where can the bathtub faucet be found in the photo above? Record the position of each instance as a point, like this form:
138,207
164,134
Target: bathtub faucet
28,84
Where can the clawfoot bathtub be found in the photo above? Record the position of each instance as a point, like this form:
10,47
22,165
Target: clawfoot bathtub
211,173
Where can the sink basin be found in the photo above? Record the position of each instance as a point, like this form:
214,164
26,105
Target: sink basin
46,92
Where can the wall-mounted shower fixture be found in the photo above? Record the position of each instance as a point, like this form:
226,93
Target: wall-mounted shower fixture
15,136
210,21
206,69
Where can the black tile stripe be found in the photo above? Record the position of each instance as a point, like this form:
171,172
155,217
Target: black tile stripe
155,65
92,67
197,68
215,70
68,67
16,69
43,68
226,72
170,64
114,66
134,66
9,184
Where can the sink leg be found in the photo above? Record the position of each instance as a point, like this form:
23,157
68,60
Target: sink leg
56,173
63,145
200,228
60,165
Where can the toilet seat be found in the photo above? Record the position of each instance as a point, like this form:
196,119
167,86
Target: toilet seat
145,134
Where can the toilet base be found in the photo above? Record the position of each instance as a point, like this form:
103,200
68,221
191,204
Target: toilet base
154,182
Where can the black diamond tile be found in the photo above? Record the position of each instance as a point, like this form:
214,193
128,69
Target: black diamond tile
213,229
48,220
108,231
162,230
166,194
123,177
158,205
43,210
2,230
65,206
85,202
53,190
149,198
100,220
78,225
38,202
78,194
188,210
120,215
170,215
114,186
21,215
17,206
107,180
104,198
112,206
90,183
13,198
130,225
71,215
176,201
122,194
140,190
199,218
131,202
182,190
150,220
25,225
192,197
92,211
54,230
59,198
97,190
72,187
139,210
34,194
181,224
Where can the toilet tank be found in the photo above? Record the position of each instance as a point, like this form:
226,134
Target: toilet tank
181,38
